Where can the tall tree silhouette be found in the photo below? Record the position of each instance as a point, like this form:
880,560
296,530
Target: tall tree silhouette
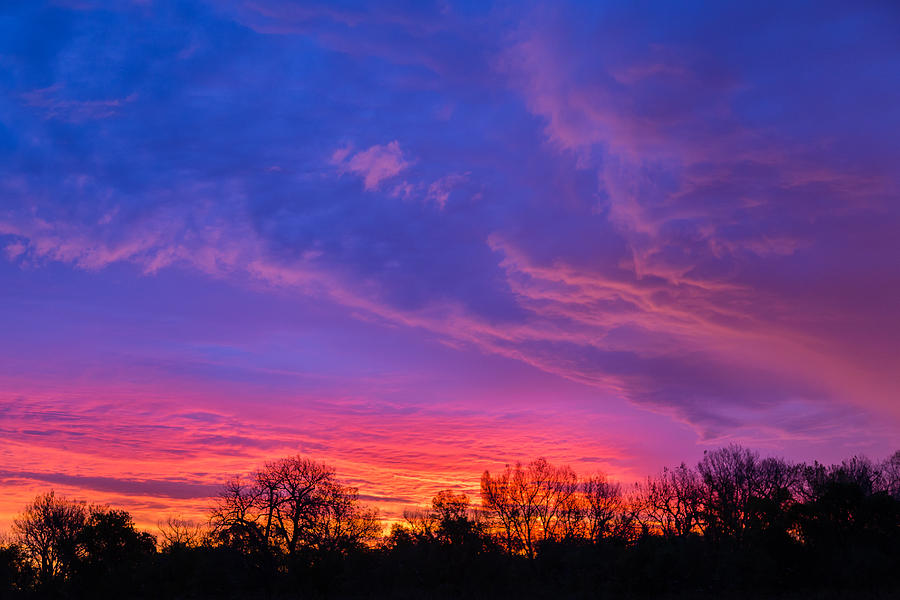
672,501
738,487
530,503
49,532
606,513
289,505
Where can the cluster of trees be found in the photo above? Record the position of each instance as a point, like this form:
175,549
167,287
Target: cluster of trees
537,503
733,522
60,543
732,496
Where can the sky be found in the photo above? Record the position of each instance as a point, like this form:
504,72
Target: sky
418,240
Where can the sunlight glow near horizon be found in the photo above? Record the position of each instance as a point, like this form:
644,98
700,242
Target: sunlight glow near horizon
417,241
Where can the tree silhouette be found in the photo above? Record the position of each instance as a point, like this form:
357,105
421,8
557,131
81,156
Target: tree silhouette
532,504
603,507
450,521
16,570
891,479
737,525
48,532
291,505
739,490
457,523
109,548
234,518
672,502
176,532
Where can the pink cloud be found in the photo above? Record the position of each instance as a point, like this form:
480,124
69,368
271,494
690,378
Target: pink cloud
439,191
114,442
55,106
376,164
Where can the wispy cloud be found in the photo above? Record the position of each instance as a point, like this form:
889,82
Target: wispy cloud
54,104
374,165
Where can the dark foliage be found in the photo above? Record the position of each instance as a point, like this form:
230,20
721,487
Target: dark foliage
736,526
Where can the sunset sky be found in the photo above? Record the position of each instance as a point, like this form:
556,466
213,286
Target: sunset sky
416,240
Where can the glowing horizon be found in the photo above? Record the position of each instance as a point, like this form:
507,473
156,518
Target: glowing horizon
416,241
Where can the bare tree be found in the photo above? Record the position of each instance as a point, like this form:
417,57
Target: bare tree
512,499
557,501
728,476
292,504
891,470
337,523
531,503
176,532
297,493
604,508
573,512
741,491
421,525
672,501
48,531
234,517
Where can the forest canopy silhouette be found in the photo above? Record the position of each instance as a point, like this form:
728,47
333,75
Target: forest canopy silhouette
735,523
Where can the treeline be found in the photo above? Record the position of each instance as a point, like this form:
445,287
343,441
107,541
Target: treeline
732,525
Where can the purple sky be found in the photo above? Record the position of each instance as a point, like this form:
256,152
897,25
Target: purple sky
417,240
